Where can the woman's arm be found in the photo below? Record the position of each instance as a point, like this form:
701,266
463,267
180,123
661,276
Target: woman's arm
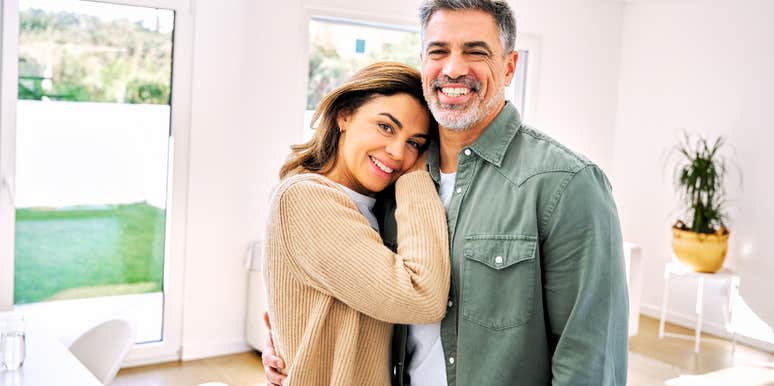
331,246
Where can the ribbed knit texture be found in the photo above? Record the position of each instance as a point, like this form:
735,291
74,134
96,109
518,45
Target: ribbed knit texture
334,289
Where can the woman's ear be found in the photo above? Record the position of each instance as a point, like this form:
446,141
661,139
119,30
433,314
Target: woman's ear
342,118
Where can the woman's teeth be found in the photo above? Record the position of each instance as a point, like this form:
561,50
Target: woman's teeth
382,166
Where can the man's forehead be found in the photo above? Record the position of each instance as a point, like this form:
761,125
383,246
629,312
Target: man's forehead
458,27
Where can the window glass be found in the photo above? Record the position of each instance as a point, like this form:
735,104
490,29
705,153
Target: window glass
339,48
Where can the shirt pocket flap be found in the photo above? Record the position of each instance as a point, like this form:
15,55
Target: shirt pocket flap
500,251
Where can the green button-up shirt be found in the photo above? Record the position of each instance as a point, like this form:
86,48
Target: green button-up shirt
538,292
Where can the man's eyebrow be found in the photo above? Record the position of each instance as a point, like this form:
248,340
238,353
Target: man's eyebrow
437,44
395,120
475,44
478,44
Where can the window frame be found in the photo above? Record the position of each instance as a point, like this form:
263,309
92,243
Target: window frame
530,43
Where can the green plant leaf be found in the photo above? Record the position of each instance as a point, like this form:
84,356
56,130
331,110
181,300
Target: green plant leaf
699,175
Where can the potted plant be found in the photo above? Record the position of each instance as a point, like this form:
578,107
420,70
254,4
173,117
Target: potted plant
701,241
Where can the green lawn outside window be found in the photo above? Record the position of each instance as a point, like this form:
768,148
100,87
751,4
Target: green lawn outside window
84,252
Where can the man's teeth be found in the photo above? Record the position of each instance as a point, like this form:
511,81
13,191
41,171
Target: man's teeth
455,91
382,166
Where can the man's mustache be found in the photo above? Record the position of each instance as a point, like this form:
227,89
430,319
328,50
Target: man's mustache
466,80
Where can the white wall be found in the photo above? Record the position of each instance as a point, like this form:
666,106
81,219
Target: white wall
248,101
579,58
704,66
222,170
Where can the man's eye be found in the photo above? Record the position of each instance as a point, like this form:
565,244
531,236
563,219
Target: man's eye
479,53
436,52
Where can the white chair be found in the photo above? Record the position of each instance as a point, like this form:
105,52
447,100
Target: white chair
102,348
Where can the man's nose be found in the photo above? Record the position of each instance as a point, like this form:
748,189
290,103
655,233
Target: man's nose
455,66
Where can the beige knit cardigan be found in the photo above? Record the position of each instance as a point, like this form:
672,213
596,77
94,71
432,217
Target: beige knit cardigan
334,289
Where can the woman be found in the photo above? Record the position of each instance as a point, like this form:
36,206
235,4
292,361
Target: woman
333,288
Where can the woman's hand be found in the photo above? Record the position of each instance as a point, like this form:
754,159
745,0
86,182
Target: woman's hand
271,362
420,164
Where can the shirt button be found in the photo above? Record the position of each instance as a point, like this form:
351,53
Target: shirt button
459,190
451,360
498,260
467,151
451,303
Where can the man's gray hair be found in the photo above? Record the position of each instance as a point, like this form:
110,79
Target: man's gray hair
499,9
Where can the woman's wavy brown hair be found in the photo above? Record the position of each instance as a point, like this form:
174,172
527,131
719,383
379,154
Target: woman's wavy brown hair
378,79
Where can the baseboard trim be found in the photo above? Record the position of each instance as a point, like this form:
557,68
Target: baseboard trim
149,361
709,327
199,350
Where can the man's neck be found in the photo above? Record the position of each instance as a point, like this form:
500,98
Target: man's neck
453,141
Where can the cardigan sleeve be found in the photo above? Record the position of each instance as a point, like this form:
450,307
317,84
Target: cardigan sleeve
335,250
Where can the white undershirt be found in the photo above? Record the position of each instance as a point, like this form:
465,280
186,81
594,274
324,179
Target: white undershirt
365,204
447,188
427,366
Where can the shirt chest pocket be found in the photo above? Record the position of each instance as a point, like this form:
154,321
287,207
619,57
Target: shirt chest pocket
498,280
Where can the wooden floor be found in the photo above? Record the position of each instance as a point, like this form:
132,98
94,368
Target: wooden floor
245,369
715,353
233,370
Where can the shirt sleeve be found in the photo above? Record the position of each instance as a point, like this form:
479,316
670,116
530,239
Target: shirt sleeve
334,249
585,284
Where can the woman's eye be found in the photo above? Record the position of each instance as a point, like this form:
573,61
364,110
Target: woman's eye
385,128
414,144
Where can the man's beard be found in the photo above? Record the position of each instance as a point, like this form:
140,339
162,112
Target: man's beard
463,116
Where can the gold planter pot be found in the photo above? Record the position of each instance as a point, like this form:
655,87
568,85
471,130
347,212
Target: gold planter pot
702,252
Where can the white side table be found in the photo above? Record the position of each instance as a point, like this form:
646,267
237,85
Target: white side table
633,260
729,279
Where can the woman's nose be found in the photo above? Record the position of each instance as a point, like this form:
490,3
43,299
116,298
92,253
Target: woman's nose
395,150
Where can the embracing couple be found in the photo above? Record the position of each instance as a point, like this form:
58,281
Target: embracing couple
427,236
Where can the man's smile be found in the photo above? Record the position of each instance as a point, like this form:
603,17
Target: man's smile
455,91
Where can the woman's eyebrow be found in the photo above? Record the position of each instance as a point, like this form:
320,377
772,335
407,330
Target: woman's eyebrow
393,119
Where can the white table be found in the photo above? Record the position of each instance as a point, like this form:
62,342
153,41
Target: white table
48,362
731,283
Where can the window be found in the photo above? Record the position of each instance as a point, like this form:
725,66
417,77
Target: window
338,48
96,214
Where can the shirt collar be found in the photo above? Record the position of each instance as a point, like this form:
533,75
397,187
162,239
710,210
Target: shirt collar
434,161
359,198
490,145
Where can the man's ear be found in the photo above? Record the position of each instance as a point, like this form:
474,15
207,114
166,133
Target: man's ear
510,66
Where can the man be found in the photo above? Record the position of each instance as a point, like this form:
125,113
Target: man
538,292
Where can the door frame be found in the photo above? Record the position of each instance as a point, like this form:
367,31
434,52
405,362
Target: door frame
177,176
